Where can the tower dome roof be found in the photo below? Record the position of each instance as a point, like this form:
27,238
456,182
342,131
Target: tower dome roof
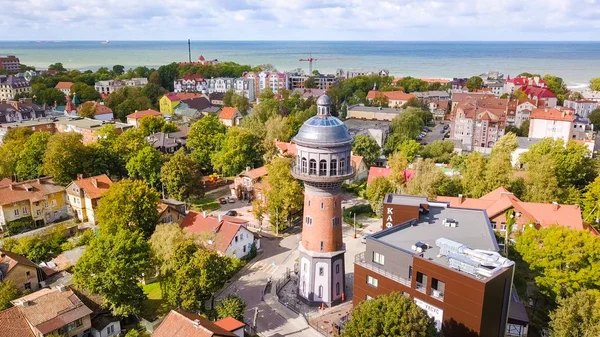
323,129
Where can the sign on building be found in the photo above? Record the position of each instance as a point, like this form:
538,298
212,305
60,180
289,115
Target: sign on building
434,312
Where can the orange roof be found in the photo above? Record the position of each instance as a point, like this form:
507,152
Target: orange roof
286,148
391,95
227,112
553,114
5,182
436,80
184,324
34,190
9,260
187,95
255,173
547,215
93,187
224,230
356,160
230,324
14,324
64,85
102,109
144,113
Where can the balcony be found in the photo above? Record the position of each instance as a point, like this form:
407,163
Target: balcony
316,177
359,259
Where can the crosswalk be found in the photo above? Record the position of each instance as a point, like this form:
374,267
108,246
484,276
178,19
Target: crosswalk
267,267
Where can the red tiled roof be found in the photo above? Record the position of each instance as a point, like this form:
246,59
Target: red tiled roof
184,324
144,113
195,77
102,109
436,80
14,324
93,187
64,85
224,230
286,148
539,92
9,260
227,112
356,160
187,95
553,114
375,172
230,324
5,182
34,190
255,173
391,95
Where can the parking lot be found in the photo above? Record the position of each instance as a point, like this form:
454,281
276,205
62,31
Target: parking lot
437,133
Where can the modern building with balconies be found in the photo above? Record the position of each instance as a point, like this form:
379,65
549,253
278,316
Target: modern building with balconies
444,258
323,162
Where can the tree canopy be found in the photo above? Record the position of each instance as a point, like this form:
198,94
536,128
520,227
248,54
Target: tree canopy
366,147
64,157
204,139
181,177
595,84
376,191
474,83
240,149
146,165
577,315
231,306
285,193
30,162
8,292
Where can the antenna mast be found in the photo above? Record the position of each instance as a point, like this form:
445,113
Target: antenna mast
190,50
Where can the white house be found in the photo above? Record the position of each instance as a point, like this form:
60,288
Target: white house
552,123
104,325
227,235
582,107
523,144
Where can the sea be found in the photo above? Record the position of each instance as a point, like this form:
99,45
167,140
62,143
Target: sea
575,62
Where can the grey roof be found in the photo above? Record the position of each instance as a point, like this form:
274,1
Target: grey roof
324,100
198,103
102,320
525,143
324,129
516,310
357,124
14,81
433,93
410,200
161,140
212,109
88,123
374,109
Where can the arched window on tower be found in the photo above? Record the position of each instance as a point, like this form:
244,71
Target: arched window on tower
312,167
320,292
342,166
333,168
323,167
304,165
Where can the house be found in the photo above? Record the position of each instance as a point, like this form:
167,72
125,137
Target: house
362,170
103,113
11,85
10,63
135,118
360,111
64,87
87,127
14,324
19,111
184,324
376,172
84,195
286,149
241,86
63,261
540,215
350,73
232,325
19,270
438,109
296,80
376,129
170,101
396,99
110,86
171,211
216,98
106,325
193,108
516,83
479,122
230,116
45,124
523,145
53,311
190,83
591,95
226,235
582,107
519,111
169,142
431,96
244,185
540,93
308,93
40,200
559,123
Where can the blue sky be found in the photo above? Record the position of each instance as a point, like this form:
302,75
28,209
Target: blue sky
436,20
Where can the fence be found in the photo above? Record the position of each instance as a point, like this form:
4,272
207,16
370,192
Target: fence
281,282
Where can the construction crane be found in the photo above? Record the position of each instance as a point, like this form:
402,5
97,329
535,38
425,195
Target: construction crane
310,61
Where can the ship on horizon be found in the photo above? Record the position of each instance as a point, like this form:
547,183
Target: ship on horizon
105,42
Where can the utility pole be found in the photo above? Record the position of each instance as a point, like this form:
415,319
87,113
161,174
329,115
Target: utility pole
355,225
190,50
277,223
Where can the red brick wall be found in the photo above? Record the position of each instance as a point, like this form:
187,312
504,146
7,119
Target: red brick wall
322,228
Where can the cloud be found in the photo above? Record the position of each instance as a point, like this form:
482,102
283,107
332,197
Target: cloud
300,19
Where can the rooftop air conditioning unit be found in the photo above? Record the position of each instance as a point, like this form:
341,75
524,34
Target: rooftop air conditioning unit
450,223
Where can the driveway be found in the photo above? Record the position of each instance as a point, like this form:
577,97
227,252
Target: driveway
435,134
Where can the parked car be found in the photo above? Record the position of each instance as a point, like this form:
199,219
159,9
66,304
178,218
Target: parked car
419,138
222,201
363,239
446,127
231,213
230,200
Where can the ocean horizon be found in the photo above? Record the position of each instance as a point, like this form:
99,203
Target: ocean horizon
575,62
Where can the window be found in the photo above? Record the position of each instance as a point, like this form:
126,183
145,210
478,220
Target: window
308,221
333,167
320,292
27,286
321,271
244,249
335,221
337,288
303,165
372,281
322,206
28,274
493,224
312,167
24,210
503,226
342,166
322,246
421,281
378,258
110,330
236,238
337,268
309,203
16,212
304,267
323,168
437,288
53,203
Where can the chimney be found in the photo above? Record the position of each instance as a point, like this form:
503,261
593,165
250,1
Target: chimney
61,288
220,217
196,323
461,199
556,205
22,303
204,214
95,182
79,176
247,169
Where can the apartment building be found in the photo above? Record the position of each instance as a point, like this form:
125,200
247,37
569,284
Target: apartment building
191,83
396,99
110,86
85,194
275,81
479,122
559,123
242,86
87,127
350,73
11,85
19,111
10,63
445,259
296,80
360,111
583,107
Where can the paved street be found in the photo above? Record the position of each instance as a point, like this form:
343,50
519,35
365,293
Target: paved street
435,134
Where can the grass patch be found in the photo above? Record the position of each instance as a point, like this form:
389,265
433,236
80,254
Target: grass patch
364,210
155,306
205,204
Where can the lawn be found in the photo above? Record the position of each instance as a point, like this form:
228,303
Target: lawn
205,204
155,306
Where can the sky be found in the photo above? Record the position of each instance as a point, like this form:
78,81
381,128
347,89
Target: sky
423,20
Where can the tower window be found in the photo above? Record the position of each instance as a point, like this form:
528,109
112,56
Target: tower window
322,245
303,165
320,292
337,288
333,167
312,167
321,271
337,268
322,206
323,168
308,221
335,221
342,166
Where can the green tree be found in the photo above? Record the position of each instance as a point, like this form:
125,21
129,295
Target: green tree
591,203
390,315
240,148
519,94
595,84
474,83
577,315
473,182
406,126
441,151
381,100
285,192
146,165
427,179
258,210
151,124
541,181
87,110
376,191
563,260
594,118
228,97
575,96
410,148
118,69
50,97
65,157
241,103
111,266
57,66
85,92
154,78
204,139
231,306
8,292
310,82
128,205
29,165
129,143
154,92
181,177
397,162
167,75
366,147
499,167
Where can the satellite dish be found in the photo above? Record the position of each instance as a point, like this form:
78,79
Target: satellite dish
29,75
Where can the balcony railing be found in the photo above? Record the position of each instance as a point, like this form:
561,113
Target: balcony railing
317,176
360,260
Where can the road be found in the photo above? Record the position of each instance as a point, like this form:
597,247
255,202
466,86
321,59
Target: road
435,134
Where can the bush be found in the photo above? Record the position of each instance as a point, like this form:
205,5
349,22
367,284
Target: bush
38,248
253,251
348,214
21,225
231,306
357,187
